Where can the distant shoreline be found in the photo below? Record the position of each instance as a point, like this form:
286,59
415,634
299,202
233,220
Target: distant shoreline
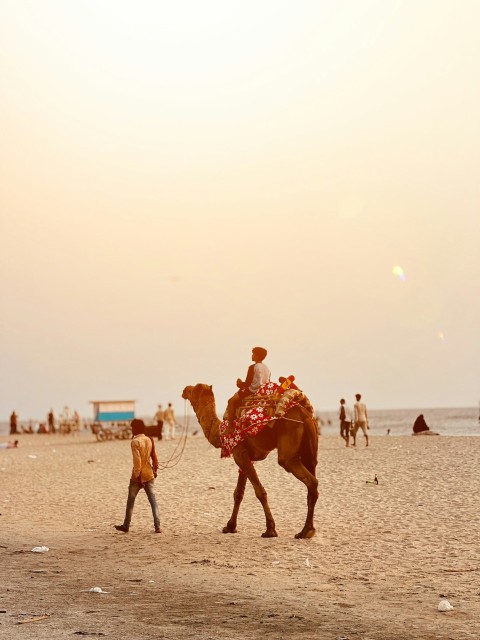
454,421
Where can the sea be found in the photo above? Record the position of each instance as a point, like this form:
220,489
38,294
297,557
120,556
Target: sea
461,421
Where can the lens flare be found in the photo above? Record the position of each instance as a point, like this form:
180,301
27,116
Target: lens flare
399,273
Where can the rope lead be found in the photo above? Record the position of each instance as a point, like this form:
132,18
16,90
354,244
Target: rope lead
176,455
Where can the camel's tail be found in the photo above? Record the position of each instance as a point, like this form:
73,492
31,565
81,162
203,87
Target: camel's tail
309,446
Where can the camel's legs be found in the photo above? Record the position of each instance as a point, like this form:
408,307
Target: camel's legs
240,455
237,501
292,463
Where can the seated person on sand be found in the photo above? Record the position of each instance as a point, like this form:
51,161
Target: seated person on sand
9,445
257,375
420,427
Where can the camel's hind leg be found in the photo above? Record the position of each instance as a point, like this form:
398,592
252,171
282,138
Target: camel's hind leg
240,456
238,494
289,459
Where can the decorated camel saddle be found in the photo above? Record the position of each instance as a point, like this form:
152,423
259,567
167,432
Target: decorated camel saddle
271,402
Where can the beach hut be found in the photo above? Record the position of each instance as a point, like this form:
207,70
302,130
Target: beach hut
113,410
111,418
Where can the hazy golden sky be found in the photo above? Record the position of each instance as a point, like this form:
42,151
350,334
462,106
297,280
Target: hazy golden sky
181,181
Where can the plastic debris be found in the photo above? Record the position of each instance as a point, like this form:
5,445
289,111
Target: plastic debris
97,590
444,605
30,455
34,619
40,549
307,562
374,481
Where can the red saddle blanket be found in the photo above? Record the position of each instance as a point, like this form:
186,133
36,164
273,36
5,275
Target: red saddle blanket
249,423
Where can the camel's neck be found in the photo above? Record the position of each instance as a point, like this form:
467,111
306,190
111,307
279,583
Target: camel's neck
208,420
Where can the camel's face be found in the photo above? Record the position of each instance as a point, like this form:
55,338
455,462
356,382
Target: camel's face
187,393
193,393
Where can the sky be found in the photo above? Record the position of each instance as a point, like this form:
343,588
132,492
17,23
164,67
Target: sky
183,181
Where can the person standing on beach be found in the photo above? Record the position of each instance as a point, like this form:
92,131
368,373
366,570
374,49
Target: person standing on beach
257,374
361,419
159,417
169,417
345,417
13,423
51,422
144,472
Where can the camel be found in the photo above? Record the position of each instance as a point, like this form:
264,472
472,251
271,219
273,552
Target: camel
295,436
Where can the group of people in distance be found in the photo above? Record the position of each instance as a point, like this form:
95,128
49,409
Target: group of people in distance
352,421
68,423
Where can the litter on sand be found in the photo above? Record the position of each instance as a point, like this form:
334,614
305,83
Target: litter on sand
35,619
444,605
97,590
42,549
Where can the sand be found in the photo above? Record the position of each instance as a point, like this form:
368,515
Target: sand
382,557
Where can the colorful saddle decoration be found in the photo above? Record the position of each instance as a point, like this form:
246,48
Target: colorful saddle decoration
271,402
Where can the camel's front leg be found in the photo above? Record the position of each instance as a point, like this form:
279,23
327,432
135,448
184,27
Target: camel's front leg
237,501
240,456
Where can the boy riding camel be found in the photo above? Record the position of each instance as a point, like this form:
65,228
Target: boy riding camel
257,374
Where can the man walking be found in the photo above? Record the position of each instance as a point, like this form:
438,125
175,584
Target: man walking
361,419
144,472
345,417
170,422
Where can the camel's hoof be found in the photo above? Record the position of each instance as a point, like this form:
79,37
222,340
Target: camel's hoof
309,533
269,534
228,530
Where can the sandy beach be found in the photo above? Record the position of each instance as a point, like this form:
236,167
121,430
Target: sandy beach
376,570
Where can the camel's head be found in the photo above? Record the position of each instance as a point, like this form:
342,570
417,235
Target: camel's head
194,394
187,393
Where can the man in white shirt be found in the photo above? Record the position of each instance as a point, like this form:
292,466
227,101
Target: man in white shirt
361,419
170,422
257,375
